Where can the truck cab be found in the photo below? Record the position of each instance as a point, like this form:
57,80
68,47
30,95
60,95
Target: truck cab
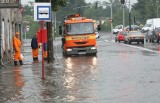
78,36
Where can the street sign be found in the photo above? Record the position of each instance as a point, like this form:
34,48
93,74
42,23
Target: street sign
42,11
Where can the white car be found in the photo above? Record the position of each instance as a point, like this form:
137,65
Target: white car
117,29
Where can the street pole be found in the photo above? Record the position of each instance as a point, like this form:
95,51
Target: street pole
0,42
123,18
129,16
157,8
42,28
55,27
111,21
25,33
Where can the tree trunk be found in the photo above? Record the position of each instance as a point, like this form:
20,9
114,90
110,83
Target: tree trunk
50,43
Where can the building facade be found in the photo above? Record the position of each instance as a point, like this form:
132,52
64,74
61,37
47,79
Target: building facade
10,22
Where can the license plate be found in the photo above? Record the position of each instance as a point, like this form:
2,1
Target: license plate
82,53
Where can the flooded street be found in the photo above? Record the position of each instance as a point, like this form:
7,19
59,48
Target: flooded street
119,73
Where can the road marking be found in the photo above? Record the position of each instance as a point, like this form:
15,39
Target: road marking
141,48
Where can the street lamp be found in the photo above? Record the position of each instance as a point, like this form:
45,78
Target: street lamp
111,18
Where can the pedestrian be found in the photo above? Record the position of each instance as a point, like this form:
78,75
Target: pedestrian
45,51
17,49
35,47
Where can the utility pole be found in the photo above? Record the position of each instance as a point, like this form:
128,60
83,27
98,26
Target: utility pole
111,19
123,17
50,58
157,2
129,15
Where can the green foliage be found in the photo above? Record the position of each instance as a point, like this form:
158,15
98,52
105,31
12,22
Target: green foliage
142,10
55,3
146,9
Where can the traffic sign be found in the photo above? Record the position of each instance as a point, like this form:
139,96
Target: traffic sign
42,11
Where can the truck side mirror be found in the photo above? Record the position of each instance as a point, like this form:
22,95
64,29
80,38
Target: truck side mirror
60,30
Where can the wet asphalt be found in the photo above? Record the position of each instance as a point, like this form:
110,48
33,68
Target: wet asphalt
120,73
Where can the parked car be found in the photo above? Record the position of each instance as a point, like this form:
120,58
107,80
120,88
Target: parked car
134,36
149,36
151,24
153,36
117,29
133,27
120,36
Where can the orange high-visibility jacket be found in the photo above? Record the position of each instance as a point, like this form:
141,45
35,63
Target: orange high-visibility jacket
17,44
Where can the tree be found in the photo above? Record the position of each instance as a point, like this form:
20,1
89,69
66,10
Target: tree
146,8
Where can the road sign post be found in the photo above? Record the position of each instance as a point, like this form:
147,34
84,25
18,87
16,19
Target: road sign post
42,13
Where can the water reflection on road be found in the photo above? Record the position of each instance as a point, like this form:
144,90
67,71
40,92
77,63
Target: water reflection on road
74,83
11,84
79,72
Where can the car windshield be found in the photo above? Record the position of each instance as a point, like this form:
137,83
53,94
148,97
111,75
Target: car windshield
135,33
118,27
80,28
122,33
147,25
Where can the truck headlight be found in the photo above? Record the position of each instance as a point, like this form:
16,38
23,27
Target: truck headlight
93,47
69,49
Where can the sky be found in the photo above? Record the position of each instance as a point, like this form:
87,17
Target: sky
25,1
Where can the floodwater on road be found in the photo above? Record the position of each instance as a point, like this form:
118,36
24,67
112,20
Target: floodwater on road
118,74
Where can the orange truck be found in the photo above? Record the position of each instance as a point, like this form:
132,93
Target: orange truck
78,36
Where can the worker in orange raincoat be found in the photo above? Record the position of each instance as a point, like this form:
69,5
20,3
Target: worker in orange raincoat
35,47
17,49
45,51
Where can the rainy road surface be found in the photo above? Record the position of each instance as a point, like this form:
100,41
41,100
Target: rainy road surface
120,73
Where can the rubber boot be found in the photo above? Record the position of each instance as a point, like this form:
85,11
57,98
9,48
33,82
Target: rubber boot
15,63
35,58
21,63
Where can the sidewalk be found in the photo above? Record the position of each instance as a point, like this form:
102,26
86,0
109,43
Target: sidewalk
23,83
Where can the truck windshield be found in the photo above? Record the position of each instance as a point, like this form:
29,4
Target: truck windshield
80,28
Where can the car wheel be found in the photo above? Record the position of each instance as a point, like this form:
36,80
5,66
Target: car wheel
129,42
